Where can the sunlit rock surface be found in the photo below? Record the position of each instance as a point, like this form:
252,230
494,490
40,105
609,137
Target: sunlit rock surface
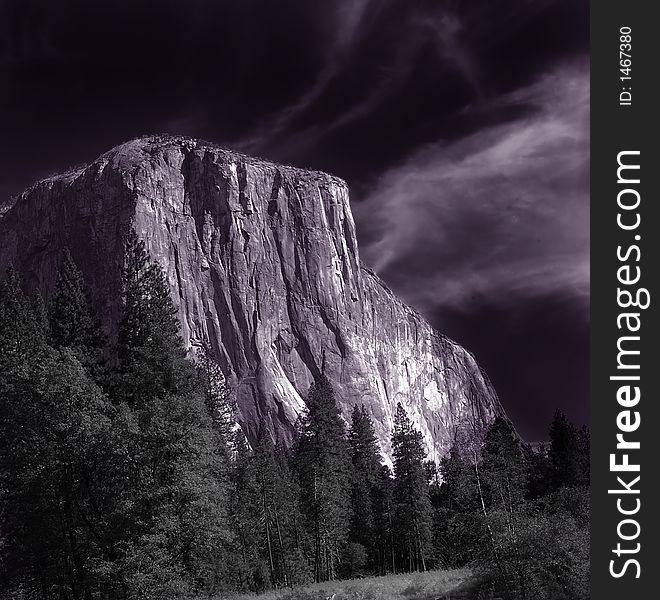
262,261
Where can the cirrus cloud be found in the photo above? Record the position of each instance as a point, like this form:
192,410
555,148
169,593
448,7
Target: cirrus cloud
502,214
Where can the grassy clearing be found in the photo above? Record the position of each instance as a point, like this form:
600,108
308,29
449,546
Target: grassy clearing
411,586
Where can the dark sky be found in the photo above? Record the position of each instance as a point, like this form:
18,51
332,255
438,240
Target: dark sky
461,127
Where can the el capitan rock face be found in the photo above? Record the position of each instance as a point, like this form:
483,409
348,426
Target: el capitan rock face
262,261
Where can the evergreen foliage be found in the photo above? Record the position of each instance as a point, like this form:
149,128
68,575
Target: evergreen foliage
73,323
23,327
122,474
323,468
150,354
55,427
563,453
384,520
504,514
118,494
174,496
267,518
413,512
365,458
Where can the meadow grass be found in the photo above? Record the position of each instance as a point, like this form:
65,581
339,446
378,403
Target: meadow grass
431,585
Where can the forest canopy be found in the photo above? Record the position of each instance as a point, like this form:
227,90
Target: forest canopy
121,465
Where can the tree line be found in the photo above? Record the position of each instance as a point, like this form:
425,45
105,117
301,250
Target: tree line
122,474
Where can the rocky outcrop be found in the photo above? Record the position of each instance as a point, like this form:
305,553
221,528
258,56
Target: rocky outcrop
262,261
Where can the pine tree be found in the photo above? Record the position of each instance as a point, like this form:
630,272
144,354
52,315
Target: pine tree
59,427
504,463
23,324
563,453
365,453
457,528
538,480
365,457
584,456
56,429
73,322
278,502
151,358
414,511
384,516
505,481
175,496
289,519
323,467
22,349
457,489
269,549
249,568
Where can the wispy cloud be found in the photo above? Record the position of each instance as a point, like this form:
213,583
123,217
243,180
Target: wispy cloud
349,16
447,31
502,214
442,30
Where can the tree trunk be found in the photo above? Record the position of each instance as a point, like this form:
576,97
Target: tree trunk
491,535
285,573
317,535
267,530
67,518
389,514
512,529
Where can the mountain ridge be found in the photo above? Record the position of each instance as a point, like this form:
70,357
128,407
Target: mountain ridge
262,260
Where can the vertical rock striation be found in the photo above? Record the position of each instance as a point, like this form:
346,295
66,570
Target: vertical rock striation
262,261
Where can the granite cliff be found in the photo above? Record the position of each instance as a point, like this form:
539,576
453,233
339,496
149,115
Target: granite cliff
261,260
